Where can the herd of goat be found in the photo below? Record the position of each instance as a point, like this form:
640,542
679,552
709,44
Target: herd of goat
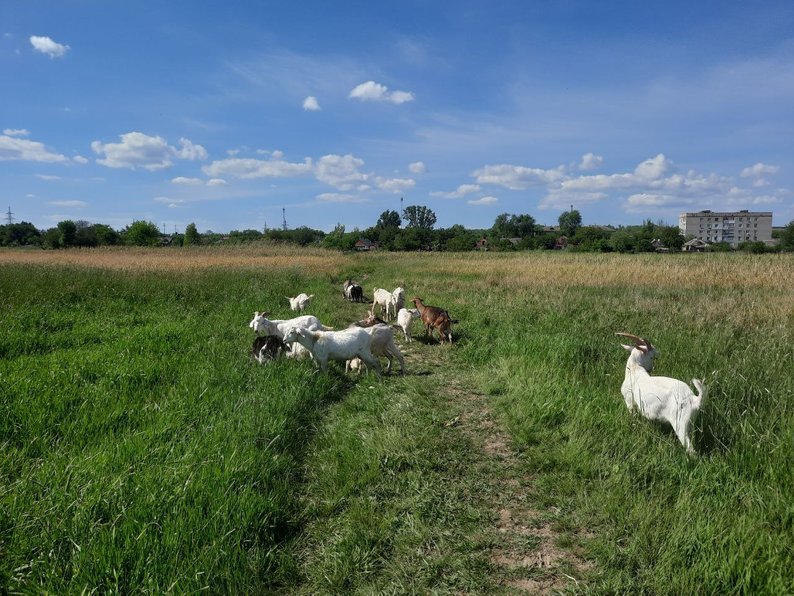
663,399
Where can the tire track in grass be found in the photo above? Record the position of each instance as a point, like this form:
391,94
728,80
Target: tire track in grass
525,549
485,522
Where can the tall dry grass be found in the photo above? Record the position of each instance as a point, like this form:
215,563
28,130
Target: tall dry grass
269,257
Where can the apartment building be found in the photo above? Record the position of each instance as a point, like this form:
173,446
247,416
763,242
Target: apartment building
731,227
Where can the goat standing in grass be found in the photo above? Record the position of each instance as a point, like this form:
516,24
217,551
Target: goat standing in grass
659,398
385,300
264,326
435,318
404,319
300,301
335,345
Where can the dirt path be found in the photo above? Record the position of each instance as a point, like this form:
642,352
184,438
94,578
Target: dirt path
525,552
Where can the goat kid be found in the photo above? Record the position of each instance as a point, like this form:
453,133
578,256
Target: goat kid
383,346
659,398
267,347
300,302
404,319
334,345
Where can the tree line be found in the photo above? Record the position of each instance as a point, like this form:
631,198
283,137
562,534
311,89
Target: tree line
413,230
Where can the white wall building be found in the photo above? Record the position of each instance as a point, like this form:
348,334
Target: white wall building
731,227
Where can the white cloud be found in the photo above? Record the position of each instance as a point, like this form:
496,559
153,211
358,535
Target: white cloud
417,167
653,168
68,203
16,132
310,104
248,169
395,184
80,159
462,191
191,151
13,148
335,197
517,177
590,161
372,91
562,200
642,202
171,203
45,45
277,154
483,201
186,181
47,177
216,182
340,171
759,170
138,150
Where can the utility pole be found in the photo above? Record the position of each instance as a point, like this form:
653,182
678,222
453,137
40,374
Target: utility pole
284,217
401,207
9,216
264,230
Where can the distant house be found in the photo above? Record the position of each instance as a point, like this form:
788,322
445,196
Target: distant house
695,245
481,244
513,241
551,229
366,244
659,246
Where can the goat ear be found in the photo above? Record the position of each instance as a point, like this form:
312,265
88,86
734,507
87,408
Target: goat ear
264,314
629,348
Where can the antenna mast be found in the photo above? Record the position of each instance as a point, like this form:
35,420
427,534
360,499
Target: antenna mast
9,216
284,217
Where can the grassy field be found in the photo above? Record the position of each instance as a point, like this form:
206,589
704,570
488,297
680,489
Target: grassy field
142,450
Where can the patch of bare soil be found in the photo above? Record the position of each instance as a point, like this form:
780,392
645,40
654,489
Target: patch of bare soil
525,552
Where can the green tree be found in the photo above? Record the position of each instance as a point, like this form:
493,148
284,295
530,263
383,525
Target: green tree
513,226
388,219
570,221
191,235
142,233
51,238
20,234
105,235
787,237
68,230
420,217
86,234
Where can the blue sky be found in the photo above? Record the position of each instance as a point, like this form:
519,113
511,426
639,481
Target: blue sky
222,114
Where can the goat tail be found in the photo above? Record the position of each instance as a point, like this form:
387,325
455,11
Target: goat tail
701,396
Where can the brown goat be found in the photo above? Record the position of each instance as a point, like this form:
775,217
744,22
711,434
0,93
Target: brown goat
435,318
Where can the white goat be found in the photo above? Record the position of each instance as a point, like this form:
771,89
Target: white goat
334,345
300,301
659,398
382,345
264,326
404,319
385,300
399,299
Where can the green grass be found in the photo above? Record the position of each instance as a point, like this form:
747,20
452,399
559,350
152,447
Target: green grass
142,450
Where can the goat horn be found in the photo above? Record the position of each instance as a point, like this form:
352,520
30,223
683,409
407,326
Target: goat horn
637,339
